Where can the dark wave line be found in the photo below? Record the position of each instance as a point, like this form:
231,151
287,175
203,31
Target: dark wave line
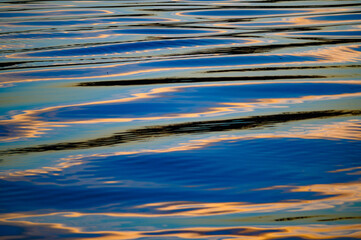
184,128
10,64
59,63
296,218
189,80
134,47
282,68
339,218
287,6
269,48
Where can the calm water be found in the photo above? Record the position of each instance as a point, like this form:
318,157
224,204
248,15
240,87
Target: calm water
180,119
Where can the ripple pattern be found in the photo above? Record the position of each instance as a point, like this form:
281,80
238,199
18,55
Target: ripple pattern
180,119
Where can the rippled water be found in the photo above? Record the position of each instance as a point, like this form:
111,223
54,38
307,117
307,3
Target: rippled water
180,119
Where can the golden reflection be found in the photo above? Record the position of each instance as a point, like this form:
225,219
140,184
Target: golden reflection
18,45
28,124
339,54
260,233
349,170
342,193
312,20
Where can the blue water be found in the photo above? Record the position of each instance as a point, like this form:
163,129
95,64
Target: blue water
180,119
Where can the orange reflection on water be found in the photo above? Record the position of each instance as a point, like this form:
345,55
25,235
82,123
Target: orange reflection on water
348,170
28,124
342,193
339,54
312,20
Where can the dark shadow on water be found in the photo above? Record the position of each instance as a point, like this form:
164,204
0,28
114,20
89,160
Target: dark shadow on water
294,218
271,47
183,128
10,64
187,80
282,68
339,218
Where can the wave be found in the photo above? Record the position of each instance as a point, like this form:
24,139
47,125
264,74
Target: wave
180,119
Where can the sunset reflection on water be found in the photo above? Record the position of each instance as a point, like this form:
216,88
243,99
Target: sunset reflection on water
180,119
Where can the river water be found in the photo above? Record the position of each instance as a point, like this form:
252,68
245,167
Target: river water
180,119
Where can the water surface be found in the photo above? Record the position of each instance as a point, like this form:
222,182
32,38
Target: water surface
180,119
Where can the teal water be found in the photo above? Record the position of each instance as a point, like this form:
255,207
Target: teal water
180,119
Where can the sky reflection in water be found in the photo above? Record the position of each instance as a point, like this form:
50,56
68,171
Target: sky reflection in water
180,120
